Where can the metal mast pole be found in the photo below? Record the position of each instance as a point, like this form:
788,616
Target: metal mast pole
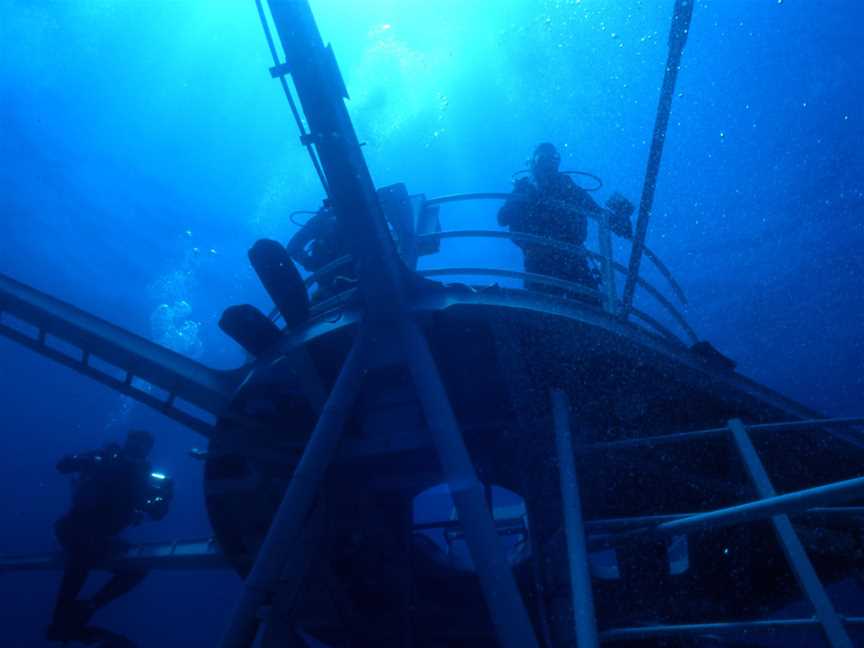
286,530
574,528
382,282
677,38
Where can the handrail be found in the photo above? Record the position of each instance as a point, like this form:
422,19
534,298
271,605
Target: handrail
657,326
575,250
312,278
666,272
551,281
513,274
322,308
662,268
465,197
569,248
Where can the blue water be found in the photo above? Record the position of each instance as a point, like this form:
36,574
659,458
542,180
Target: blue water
144,147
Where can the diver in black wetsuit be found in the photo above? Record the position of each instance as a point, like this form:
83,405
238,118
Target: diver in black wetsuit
549,204
318,243
114,489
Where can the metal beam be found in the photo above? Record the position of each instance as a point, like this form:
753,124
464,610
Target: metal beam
278,71
681,16
321,93
286,530
792,547
785,426
607,525
788,503
580,572
90,343
690,629
503,599
175,555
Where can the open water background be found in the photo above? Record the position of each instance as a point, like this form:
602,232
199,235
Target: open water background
143,148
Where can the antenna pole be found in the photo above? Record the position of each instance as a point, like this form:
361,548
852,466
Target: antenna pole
677,38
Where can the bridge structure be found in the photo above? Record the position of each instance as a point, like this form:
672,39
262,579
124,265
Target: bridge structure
607,476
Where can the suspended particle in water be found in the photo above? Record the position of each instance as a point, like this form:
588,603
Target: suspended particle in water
188,233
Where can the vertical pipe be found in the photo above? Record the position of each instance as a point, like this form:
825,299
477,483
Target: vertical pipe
574,527
604,234
286,530
502,596
792,547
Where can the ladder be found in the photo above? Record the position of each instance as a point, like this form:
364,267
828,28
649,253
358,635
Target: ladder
768,505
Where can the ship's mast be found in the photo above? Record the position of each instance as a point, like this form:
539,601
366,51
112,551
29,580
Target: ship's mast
677,39
321,92
387,320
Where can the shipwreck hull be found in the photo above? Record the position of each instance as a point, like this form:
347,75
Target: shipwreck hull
373,573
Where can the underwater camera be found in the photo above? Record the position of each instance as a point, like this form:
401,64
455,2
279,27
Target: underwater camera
620,210
160,492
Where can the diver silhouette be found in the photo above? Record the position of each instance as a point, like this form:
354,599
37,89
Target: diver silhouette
318,243
547,203
114,489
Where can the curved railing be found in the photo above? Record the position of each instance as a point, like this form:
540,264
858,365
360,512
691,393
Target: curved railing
569,286
606,297
500,196
610,269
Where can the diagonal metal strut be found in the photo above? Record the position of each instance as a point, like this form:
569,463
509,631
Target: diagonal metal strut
112,355
809,581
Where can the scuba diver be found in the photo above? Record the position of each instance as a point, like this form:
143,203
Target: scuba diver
113,490
549,204
318,243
